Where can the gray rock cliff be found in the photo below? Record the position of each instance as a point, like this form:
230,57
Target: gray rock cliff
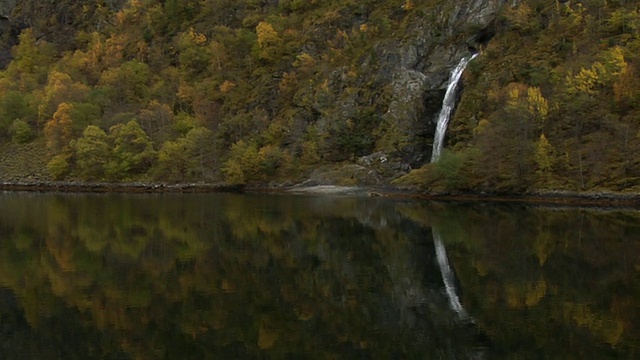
6,7
412,70
420,65
8,35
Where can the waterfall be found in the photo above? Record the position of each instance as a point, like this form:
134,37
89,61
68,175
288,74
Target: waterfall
447,276
448,104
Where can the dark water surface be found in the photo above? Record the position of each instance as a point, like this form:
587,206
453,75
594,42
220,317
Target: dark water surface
225,276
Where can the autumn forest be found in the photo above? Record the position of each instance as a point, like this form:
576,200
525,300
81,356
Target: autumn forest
259,91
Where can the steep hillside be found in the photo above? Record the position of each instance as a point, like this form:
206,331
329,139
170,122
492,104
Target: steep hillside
256,91
552,103
23,162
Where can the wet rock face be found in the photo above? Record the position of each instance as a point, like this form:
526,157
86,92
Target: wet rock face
5,51
8,32
6,7
480,13
402,125
418,67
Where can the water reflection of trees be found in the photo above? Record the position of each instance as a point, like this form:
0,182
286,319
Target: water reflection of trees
172,276
549,280
233,276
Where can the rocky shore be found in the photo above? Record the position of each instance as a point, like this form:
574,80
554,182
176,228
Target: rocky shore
562,198
554,198
88,187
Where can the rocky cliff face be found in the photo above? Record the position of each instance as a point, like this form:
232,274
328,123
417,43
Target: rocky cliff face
8,35
412,69
376,107
6,7
419,66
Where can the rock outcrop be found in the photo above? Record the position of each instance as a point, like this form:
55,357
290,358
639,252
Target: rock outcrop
382,97
408,74
8,34
419,66
412,70
6,7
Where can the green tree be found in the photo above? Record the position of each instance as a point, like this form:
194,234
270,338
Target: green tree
165,86
14,106
243,164
623,21
133,151
60,88
157,120
21,132
127,83
184,123
189,157
200,142
453,170
545,158
58,167
84,114
274,161
521,18
31,60
93,153
173,160
195,54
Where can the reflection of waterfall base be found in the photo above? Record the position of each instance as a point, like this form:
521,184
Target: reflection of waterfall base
447,276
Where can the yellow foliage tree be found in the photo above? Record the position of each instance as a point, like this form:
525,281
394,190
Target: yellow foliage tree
219,53
304,61
626,89
227,86
614,64
58,130
601,73
197,38
582,82
521,18
527,101
266,34
544,157
31,60
408,5
60,88
536,104
268,40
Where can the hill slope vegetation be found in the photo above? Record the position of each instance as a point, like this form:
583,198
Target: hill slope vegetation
253,91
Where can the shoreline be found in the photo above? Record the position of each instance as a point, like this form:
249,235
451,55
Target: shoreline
103,187
551,198
548,199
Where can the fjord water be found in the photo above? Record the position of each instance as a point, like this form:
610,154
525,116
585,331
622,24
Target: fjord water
297,277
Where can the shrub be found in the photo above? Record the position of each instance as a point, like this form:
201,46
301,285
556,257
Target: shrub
58,167
21,132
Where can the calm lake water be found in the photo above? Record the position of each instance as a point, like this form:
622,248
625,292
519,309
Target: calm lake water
224,276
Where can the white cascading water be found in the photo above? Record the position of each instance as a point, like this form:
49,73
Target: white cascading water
448,104
447,276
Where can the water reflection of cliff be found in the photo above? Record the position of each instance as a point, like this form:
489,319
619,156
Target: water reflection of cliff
548,282
174,276
179,276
